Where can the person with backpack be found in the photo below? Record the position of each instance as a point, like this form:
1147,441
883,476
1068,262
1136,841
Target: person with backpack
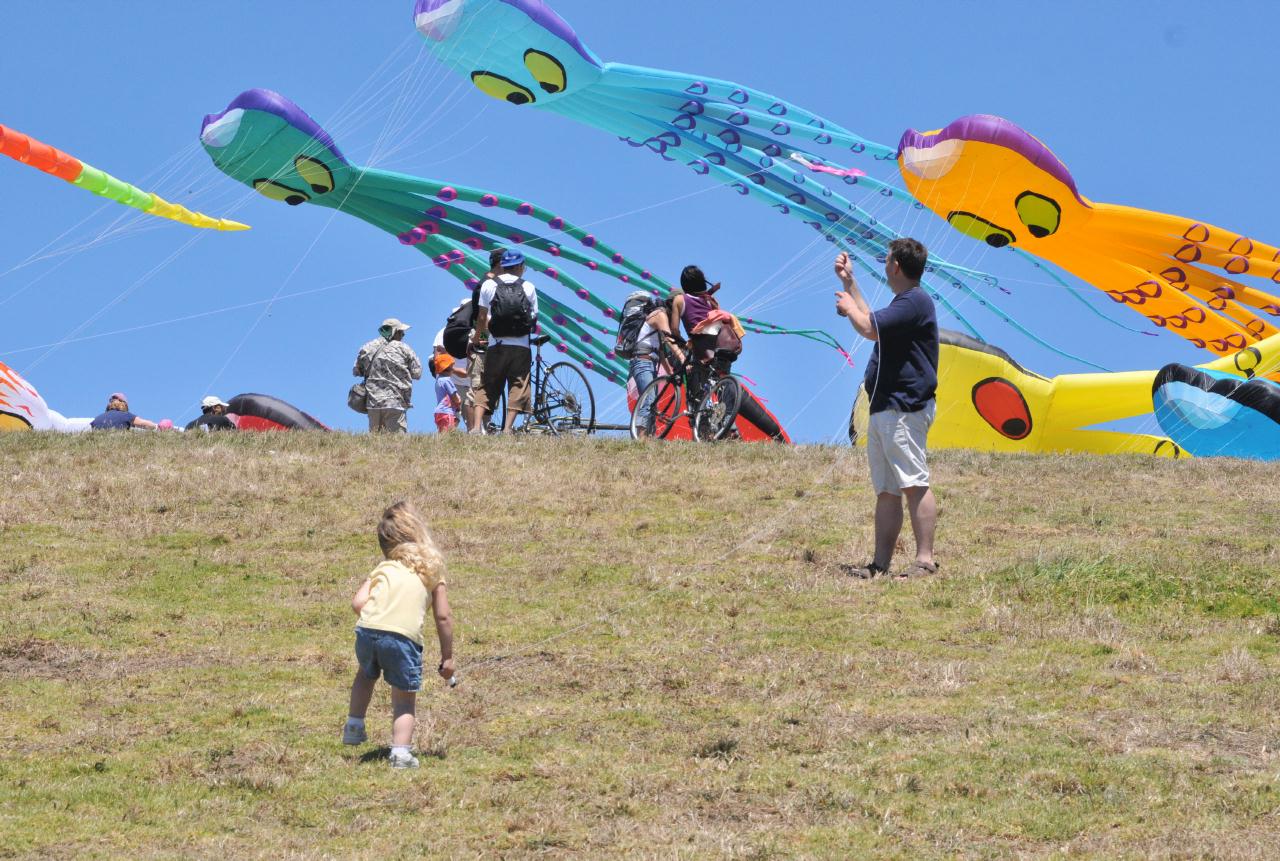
645,325
506,314
455,340
389,367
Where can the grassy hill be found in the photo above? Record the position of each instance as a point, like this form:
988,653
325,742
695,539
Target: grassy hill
659,657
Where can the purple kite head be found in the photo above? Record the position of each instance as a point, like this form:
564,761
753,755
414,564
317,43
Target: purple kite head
926,149
219,131
440,21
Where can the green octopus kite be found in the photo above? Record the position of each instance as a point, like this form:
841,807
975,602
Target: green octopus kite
267,142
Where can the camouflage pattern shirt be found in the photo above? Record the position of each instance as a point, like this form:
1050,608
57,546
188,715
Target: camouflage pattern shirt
391,375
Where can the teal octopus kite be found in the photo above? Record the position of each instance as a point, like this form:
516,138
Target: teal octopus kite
521,52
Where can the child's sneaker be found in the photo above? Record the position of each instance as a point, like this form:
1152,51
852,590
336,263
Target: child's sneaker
403,760
354,734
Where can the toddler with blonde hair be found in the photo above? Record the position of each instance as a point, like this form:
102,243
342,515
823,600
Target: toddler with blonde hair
392,606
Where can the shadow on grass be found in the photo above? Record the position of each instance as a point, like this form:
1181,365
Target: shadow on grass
382,754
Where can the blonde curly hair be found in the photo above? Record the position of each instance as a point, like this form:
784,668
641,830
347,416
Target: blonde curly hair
403,537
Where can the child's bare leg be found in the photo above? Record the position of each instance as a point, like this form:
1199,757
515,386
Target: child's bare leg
404,707
361,693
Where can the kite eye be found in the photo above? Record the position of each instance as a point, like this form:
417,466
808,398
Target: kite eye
314,173
1002,406
981,229
1040,214
546,70
502,89
282,193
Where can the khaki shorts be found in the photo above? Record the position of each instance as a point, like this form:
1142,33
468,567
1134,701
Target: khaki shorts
506,367
388,421
896,449
475,381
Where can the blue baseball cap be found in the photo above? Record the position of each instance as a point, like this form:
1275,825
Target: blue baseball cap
511,258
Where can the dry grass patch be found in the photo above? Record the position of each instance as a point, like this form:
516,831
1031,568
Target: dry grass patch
673,672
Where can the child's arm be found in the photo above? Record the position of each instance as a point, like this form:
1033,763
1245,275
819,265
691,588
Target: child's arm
362,596
456,400
444,629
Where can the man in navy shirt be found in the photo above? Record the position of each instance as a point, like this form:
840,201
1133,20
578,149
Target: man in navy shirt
901,380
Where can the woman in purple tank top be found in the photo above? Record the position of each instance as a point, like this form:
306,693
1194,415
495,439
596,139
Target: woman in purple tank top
693,306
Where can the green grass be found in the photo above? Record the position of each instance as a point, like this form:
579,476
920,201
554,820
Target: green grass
646,672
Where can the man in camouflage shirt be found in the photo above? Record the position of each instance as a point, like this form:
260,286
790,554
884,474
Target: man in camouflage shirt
390,366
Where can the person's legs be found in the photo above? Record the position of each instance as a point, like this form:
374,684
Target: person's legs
888,527
361,692
516,367
475,399
494,379
398,421
924,520
403,709
643,373
375,420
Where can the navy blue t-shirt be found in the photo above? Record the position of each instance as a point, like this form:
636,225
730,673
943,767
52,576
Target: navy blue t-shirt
113,420
903,371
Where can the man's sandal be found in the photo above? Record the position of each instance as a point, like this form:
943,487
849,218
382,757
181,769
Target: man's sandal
864,572
919,569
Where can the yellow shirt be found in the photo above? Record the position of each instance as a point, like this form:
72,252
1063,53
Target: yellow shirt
398,601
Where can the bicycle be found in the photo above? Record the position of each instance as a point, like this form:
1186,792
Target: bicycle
709,401
563,402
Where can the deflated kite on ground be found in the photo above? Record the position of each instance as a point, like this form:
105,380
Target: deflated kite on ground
22,408
996,183
1226,408
57,163
987,401
254,412
267,142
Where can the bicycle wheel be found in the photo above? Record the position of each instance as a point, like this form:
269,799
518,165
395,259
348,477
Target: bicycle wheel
565,403
657,409
717,412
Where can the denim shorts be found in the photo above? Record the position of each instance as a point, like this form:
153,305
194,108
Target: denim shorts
399,658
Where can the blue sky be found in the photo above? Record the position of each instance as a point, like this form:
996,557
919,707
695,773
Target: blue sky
1155,105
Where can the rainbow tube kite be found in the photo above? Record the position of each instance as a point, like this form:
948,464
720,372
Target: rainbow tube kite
53,161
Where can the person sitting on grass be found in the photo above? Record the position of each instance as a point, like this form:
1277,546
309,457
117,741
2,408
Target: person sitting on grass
392,605
213,416
118,417
448,401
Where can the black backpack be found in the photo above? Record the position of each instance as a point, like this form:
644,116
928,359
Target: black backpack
457,329
511,312
635,311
